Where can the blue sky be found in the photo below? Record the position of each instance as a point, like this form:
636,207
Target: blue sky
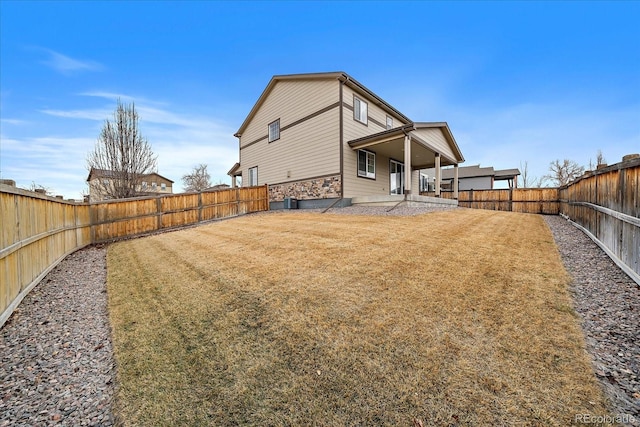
516,81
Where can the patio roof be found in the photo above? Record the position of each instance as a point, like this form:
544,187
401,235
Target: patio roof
390,143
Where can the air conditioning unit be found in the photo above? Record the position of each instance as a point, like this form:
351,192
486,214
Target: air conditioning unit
290,203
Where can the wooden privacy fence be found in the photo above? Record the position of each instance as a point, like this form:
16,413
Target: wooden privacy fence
524,200
37,232
606,204
117,219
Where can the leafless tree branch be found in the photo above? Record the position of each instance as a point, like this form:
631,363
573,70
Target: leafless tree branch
121,156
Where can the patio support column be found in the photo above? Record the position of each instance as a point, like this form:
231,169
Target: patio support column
407,164
233,181
438,175
455,181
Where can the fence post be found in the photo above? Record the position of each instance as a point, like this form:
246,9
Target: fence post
200,206
510,204
19,237
159,211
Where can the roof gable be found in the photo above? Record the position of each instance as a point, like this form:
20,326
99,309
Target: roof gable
337,75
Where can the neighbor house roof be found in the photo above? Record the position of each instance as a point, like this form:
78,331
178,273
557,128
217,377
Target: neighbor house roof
475,171
338,75
506,174
105,173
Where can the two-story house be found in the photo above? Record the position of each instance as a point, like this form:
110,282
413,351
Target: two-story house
101,182
324,137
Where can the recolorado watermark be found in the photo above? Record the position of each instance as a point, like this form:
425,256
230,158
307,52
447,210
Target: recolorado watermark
604,419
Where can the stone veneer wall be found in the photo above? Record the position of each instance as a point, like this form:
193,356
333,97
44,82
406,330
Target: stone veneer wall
319,188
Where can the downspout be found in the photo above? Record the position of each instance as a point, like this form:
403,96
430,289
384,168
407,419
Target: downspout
341,111
397,204
335,202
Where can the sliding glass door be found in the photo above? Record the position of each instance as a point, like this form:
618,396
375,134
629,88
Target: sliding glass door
396,177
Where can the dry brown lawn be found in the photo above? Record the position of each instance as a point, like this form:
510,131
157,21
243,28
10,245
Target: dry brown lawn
452,318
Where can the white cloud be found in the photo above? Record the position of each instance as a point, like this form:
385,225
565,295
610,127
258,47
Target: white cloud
67,65
541,133
55,163
93,114
14,122
181,140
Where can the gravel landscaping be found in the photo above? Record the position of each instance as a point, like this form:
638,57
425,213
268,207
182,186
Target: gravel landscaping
56,360
608,303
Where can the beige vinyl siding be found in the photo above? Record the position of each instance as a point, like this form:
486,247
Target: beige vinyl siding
436,140
309,149
353,184
415,182
290,101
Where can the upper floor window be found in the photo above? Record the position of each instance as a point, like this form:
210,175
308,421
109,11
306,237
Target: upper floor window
253,176
154,185
274,130
163,186
389,122
359,110
366,164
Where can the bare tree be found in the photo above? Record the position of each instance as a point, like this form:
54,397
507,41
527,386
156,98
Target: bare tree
198,180
599,161
529,181
121,156
39,188
564,172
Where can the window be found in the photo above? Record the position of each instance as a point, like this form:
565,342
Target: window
274,130
366,164
389,122
253,176
359,110
154,186
163,186
144,185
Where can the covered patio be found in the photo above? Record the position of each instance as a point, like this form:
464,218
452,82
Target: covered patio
422,146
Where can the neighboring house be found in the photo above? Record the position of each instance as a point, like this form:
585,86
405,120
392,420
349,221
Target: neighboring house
475,178
325,136
148,184
218,187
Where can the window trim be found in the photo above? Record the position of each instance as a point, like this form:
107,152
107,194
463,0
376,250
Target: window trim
275,122
358,118
389,122
366,174
250,180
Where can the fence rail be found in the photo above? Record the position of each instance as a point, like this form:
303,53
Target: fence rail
606,204
37,231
